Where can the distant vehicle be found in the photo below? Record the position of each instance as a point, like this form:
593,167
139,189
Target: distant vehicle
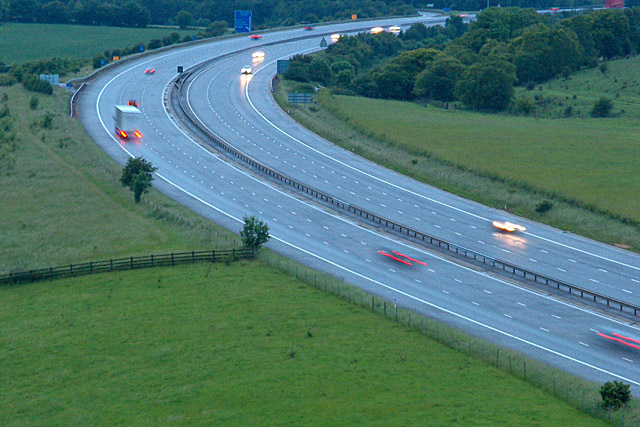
150,71
308,27
508,226
335,37
377,30
401,258
127,120
554,9
255,36
395,29
258,55
132,102
246,69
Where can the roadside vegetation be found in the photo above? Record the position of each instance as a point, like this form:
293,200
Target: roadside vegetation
62,197
242,344
169,345
575,174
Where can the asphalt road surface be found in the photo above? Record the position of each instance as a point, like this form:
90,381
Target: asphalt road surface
240,110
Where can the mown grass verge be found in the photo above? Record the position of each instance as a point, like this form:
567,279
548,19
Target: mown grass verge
585,167
241,345
63,202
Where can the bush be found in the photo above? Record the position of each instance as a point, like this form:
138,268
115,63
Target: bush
525,106
33,103
568,112
33,83
544,206
7,80
615,394
47,121
602,108
603,67
254,233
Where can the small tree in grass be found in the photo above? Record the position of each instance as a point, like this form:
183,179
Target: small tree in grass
615,394
254,233
137,175
602,108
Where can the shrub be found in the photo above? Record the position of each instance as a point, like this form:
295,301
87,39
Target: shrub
568,112
602,108
33,83
603,67
33,103
47,121
615,394
544,206
7,79
525,106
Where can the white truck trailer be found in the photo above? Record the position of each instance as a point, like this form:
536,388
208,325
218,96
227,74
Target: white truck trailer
128,120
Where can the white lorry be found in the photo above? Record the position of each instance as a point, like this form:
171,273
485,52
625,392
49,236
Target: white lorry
128,120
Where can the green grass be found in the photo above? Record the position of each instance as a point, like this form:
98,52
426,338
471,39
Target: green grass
33,42
62,201
592,161
214,344
620,83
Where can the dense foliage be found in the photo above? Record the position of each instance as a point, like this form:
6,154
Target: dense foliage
137,174
478,64
140,13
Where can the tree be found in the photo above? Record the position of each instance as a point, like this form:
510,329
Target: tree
216,28
184,19
487,85
438,80
602,108
137,174
254,233
615,394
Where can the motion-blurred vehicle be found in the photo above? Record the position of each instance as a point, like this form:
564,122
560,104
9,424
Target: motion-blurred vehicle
255,36
127,121
395,29
257,55
150,71
335,37
377,30
508,226
132,102
246,69
308,27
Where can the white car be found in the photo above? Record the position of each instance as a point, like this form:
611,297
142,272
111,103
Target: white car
395,29
246,69
377,30
508,226
258,55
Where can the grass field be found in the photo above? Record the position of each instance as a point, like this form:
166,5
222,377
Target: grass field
620,83
237,345
592,161
33,42
62,201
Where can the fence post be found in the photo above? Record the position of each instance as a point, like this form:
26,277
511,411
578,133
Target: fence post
131,262
373,304
172,261
193,256
384,307
497,357
525,369
70,271
213,256
152,260
111,264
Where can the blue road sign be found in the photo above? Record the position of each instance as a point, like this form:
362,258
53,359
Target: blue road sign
244,21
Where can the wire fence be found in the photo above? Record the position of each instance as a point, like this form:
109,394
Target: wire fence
578,392
129,263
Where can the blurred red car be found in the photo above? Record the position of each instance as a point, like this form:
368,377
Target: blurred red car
308,27
132,102
150,71
255,36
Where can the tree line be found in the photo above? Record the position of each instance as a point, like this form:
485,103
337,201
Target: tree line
478,64
266,13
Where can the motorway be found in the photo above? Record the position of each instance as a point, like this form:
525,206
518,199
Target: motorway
240,110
